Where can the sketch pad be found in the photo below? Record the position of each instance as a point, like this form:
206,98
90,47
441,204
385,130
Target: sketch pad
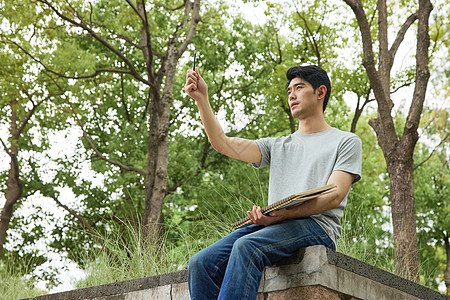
291,201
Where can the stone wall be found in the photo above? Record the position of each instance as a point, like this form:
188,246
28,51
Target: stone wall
312,273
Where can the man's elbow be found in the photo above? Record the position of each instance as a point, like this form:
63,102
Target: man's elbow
337,200
219,146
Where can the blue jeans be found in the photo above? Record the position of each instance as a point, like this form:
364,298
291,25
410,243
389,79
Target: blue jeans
231,268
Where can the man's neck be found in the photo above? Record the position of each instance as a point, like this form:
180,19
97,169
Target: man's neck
313,125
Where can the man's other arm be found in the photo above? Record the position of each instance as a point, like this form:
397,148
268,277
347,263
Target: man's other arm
238,148
343,181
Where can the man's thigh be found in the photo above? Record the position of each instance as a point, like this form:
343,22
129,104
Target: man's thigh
218,253
284,238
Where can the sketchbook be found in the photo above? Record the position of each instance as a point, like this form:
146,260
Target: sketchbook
291,201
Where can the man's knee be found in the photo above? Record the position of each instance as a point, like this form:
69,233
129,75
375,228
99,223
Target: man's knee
243,245
196,261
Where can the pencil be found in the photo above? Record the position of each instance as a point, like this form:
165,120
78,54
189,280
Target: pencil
195,52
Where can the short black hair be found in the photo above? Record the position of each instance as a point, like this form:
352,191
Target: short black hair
314,75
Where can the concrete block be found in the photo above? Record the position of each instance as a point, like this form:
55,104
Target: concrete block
377,291
326,276
351,284
156,293
312,269
180,291
276,278
313,260
305,293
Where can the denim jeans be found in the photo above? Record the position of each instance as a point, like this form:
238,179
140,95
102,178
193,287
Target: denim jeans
231,268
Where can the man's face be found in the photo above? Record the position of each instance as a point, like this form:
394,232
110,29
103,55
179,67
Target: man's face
302,98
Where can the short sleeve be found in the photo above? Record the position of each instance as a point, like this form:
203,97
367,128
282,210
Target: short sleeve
265,146
349,157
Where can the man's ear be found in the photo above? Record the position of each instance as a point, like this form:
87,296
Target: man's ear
321,92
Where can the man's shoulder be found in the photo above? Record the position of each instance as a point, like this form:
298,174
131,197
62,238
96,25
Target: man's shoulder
276,139
331,134
345,134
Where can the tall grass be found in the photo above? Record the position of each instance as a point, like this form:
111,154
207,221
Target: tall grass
15,286
362,242
134,258
129,256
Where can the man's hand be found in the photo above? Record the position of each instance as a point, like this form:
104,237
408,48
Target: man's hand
195,86
257,217
234,147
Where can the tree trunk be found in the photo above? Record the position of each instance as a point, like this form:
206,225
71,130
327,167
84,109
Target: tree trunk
14,184
398,153
156,174
159,119
447,270
158,156
404,217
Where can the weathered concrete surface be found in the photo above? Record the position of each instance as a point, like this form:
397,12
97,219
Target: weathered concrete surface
312,273
153,287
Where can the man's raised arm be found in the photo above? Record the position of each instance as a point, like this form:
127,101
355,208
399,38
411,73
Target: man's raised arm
238,148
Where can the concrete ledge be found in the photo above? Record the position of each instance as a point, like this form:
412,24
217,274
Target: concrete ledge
116,290
312,257
312,273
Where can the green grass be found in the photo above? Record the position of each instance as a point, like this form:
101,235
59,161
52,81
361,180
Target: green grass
133,258
14,286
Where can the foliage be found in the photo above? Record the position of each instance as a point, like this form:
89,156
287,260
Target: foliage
432,181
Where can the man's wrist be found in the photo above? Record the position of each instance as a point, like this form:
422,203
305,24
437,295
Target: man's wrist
202,102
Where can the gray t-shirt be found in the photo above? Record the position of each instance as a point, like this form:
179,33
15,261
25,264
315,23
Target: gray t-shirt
300,162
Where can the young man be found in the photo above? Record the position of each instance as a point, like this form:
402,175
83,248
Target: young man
315,155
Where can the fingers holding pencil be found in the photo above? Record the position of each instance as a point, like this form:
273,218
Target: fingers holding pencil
195,85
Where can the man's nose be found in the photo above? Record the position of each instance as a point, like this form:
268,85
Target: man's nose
291,96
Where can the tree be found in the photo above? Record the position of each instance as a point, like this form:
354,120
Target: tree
148,55
28,95
398,151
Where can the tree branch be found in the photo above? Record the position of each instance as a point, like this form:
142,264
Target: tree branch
122,98
83,25
410,135
99,154
383,125
6,147
78,217
359,110
400,36
135,9
126,39
169,8
96,72
311,35
402,86
368,57
194,21
86,225
102,157
31,112
432,152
